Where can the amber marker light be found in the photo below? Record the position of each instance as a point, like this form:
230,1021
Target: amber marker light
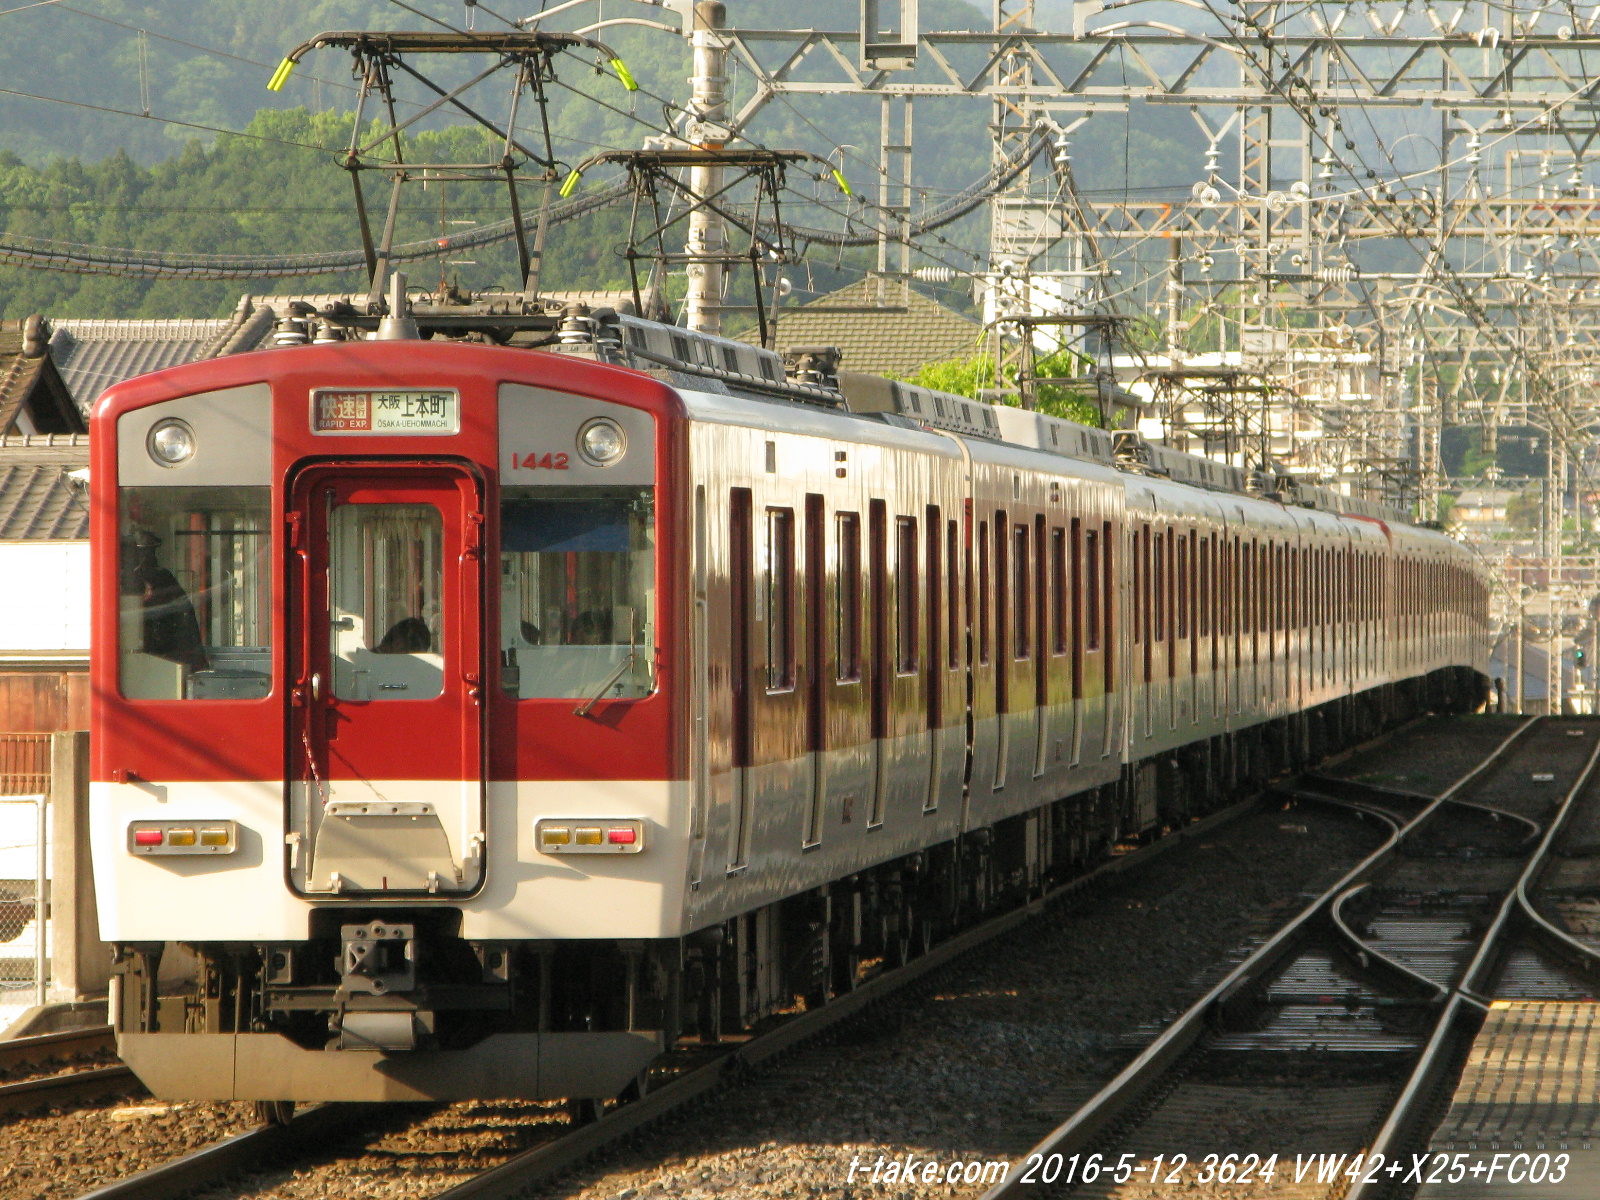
157,838
566,835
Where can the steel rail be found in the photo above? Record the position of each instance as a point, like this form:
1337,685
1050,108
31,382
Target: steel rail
508,1180
29,1095
212,1164
42,1047
514,1176
1366,954
1138,1077
544,1162
1464,1003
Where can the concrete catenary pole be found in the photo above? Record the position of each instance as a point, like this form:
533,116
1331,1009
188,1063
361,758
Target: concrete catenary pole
708,235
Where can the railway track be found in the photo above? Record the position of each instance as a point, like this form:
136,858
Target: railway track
45,1085
687,1079
1339,1034
565,1146
312,1128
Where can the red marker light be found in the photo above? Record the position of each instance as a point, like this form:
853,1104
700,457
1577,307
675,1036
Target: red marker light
147,837
621,837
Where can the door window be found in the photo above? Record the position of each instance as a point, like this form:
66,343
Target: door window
385,587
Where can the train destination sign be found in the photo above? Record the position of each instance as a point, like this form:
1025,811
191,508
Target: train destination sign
385,412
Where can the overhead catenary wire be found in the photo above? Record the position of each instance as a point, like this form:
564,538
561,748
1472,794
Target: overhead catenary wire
78,258
73,258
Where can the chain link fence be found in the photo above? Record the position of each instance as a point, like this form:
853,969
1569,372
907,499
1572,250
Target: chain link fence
24,871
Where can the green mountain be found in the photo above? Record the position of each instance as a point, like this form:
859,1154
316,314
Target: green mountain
81,175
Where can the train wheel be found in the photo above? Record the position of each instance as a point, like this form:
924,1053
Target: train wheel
846,968
900,946
274,1112
638,1088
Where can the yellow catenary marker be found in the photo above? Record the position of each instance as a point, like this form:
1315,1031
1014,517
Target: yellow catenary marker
570,183
844,186
621,68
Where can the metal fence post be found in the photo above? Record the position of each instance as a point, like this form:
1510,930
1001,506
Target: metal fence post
41,904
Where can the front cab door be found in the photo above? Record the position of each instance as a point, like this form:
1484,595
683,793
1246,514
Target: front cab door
386,714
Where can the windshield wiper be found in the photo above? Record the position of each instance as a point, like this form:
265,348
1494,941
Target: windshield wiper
623,667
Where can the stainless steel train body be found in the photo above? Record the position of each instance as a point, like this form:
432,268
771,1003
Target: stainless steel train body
477,753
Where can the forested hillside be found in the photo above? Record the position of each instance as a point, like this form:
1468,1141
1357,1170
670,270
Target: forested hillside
79,175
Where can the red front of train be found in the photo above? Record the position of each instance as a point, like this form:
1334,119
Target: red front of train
383,711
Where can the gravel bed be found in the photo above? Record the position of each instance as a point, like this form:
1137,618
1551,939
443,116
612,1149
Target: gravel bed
978,1066
407,1151
1557,748
1005,1045
67,1065
1430,755
58,1155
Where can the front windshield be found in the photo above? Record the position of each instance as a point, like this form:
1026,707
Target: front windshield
194,577
577,600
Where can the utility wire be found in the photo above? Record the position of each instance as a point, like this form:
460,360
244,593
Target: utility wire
73,258
123,112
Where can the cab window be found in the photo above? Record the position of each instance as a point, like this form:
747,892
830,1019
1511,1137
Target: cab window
577,603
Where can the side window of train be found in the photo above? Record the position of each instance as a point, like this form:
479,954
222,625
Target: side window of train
577,579
1247,599
1091,589
1021,591
1158,585
195,579
983,592
1002,595
1059,592
1136,579
847,622
1107,617
952,558
1182,621
905,595
934,570
780,599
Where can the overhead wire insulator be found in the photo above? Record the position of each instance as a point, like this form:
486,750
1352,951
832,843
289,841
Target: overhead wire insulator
1339,273
280,76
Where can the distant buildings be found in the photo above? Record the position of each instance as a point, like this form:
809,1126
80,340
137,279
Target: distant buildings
1481,513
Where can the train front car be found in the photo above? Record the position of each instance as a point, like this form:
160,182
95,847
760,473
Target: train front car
385,766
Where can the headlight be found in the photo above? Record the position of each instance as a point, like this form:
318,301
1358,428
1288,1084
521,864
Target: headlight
602,442
171,442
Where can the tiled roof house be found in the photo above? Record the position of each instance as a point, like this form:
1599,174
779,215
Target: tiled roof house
34,398
894,338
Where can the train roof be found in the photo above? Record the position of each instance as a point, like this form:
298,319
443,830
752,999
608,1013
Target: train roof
809,377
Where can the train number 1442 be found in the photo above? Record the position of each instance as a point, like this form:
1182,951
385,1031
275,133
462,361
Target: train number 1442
537,461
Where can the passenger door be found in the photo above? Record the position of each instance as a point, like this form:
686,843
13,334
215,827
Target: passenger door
386,711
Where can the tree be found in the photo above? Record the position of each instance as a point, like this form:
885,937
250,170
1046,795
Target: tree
968,376
1523,509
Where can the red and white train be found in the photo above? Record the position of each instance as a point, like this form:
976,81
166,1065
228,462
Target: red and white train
474,720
